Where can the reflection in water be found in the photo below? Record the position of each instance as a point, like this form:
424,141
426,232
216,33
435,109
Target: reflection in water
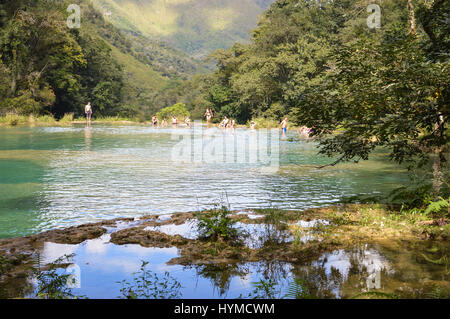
147,284
187,230
360,269
110,271
87,137
221,275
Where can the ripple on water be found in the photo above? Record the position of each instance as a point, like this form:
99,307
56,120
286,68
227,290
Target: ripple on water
105,172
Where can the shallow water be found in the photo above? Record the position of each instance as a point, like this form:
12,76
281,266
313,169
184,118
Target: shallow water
102,267
55,177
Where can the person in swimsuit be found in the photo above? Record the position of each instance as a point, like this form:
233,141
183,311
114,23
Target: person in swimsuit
155,121
208,115
88,111
253,125
284,125
174,121
188,122
224,122
303,130
164,122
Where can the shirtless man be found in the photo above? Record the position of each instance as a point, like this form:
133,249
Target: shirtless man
164,122
284,125
88,111
174,122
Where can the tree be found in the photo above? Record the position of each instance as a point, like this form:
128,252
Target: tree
178,110
384,93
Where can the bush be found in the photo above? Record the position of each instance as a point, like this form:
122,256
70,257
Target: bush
13,119
262,122
217,225
439,207
67,118
178,110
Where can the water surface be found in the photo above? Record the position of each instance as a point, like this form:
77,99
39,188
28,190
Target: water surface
55,177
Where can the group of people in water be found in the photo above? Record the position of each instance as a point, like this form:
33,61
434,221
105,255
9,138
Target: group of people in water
226,123
175,122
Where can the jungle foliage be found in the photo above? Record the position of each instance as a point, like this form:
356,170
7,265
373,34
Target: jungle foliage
358,88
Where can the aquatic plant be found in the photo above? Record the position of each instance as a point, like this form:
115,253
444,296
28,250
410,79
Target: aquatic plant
217,225
147,284
275,230
51,284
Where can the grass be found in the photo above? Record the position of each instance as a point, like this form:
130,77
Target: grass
262,122
15,120
66,120
266,123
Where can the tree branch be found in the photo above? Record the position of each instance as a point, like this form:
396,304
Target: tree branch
332,164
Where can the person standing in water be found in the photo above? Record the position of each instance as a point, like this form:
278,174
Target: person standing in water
88,111
284,125
188,122
224,122
174,122
208,115
164,122
155,121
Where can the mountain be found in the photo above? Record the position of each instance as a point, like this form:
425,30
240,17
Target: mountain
46,67
197,27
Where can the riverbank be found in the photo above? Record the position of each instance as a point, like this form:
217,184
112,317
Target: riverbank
394,242
12,120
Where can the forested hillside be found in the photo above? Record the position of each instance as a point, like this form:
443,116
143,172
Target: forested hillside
48,68
196,27
321,64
